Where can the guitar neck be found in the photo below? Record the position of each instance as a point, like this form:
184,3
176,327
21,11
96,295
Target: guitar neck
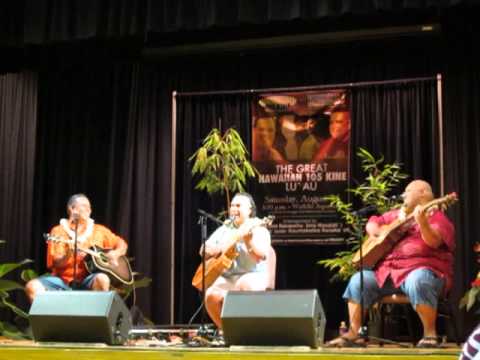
443,201
401,222
233,242
89,252
236,237
71,243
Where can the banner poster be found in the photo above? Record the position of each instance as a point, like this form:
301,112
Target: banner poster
301,148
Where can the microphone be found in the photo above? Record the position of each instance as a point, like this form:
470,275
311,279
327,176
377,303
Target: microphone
230,220
395,197
371,209
75,217
202,212
209,216
367,210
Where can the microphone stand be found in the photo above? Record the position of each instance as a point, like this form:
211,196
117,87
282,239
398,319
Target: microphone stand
363,331
202,221
74,284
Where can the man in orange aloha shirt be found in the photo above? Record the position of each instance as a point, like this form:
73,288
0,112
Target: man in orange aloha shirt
60,254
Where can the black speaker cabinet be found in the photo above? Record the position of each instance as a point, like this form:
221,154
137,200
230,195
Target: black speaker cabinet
80,316
281,317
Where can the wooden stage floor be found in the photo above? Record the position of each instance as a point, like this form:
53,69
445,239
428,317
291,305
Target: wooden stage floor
145,350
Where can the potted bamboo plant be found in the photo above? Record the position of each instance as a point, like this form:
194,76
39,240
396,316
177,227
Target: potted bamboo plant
380,180
222,164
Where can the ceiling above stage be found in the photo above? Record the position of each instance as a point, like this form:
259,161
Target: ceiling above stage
174,22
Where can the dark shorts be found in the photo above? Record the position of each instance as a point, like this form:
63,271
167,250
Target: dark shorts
51,282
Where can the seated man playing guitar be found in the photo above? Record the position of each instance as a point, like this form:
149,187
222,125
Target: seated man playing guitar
60,253
420,264
248,270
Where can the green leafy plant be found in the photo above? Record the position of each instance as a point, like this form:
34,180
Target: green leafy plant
6,287
379,181
127,290
222,162
472,295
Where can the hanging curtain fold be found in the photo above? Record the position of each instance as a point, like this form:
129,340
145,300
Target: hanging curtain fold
18,125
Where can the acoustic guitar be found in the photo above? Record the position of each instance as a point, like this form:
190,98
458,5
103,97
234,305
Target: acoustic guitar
376,247
97,261
216,266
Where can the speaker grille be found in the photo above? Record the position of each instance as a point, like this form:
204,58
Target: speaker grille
287,317
80,316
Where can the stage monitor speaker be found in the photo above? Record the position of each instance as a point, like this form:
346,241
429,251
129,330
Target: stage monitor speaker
281,317
80,316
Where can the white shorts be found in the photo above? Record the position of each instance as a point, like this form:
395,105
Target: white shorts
252,281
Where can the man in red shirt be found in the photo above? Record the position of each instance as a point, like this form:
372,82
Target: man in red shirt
419,265
336,146
60,255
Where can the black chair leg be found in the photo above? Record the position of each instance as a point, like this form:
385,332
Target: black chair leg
449,318
383,316
408,317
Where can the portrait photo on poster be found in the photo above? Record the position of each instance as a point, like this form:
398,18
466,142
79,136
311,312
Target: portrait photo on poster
301,148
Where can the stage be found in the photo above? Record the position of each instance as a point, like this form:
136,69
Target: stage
146,349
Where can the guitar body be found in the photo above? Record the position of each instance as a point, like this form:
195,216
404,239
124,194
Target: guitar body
213,269
216,266
375,248
120,274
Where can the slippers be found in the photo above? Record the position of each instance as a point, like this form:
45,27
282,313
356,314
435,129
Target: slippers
344,342
428,342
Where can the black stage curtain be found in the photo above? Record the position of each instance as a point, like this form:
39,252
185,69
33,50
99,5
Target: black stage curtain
462,156
405,119
101,133
48,21
196,116
166,15
11,22
18,124
25,22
